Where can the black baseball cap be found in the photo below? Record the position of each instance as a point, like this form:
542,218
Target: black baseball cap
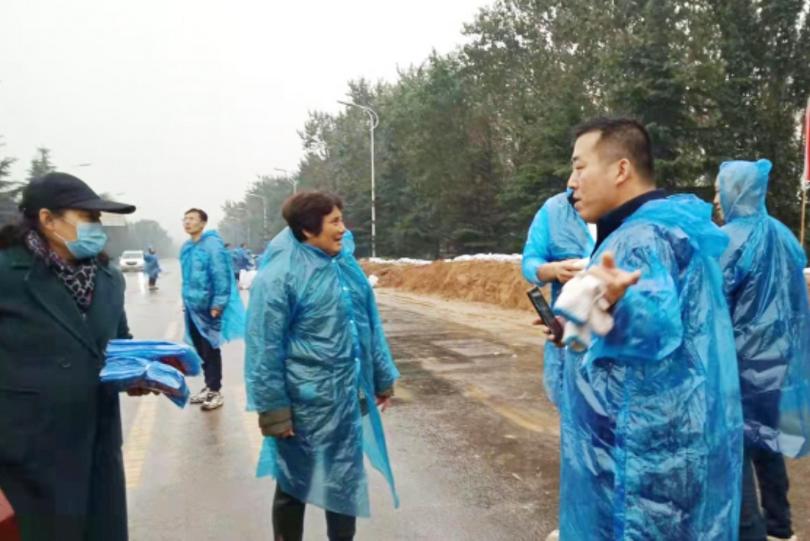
62,191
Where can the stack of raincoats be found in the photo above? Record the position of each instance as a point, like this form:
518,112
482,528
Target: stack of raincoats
154,365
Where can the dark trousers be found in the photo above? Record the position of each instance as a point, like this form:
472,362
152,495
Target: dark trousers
152,281
211,357
288,520
767,469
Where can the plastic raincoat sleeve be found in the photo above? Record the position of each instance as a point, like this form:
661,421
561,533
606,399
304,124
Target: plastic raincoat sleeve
648,325
266,346
385,372
220,276
535,253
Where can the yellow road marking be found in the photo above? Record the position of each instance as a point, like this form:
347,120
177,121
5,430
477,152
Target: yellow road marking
140,432
401,392
524,419
172,331
137,442
250,424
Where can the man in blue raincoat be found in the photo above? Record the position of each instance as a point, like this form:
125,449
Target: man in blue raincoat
651,418
214,311
152,267
556,246
762,268
317,367
241,259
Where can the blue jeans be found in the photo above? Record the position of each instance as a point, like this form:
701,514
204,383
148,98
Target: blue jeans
766,468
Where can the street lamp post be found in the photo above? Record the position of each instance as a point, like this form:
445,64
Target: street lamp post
289,178
264,213
373,122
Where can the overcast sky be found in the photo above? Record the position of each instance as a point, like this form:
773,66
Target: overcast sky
180,103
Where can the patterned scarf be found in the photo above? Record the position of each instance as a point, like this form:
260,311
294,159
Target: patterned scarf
79,278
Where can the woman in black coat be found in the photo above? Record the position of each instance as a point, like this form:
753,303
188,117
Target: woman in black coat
60,429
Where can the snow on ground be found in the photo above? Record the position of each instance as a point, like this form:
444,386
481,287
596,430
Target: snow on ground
470,257
488,257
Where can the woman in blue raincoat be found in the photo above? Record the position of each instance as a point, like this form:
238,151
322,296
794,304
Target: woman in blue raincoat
557,242
316,365
769,309
152,268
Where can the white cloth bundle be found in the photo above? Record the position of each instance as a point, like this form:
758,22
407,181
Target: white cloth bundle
585,309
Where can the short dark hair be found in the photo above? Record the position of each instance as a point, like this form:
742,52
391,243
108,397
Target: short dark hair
624,138
201,213
305,211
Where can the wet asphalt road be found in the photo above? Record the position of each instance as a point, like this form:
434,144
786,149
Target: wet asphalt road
473,442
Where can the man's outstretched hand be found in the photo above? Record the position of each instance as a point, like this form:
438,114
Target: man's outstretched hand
616,280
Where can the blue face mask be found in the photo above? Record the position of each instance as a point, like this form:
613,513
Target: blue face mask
90,240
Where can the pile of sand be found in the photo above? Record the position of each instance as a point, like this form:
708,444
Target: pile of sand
494,282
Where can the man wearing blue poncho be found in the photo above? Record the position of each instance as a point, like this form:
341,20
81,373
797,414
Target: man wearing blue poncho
651,420
556,246
214,311
317,366
769,309
240,259
152,267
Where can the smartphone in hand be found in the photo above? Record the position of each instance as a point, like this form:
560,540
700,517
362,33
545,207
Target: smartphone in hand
545,313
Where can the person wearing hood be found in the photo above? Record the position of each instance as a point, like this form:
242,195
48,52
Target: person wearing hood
762,268
152,267
557,245
318,371
61,465
651,418
213,309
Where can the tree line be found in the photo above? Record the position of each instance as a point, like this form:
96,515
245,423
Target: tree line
470,143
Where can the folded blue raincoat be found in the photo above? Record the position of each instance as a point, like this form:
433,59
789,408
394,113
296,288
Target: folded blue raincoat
208,282
557,233
181,356
124,373
651,416
315,345
769,309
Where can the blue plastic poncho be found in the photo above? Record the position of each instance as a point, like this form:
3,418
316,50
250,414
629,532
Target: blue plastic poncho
557,233
241,259
124,373
152,265
348,248
769,310
651,416
315,344
182,356
208,282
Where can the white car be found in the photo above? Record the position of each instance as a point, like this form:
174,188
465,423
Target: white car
131,260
